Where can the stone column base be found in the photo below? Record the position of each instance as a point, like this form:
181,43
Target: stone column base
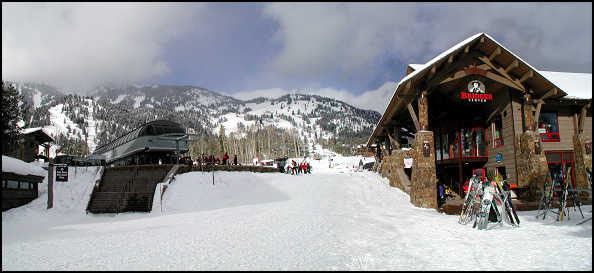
423,191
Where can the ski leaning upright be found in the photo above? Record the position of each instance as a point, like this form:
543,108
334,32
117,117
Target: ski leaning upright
483,216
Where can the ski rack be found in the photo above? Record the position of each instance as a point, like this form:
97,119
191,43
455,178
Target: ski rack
589,175
545,204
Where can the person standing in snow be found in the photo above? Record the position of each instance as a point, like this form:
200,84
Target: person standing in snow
234,159
439,195
225,158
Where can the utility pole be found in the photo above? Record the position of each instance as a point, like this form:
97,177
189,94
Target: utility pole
50,184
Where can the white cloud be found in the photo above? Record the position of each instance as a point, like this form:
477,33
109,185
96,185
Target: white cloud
80,45
350,39
376,99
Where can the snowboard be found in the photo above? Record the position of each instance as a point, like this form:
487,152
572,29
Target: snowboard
483,215
465,213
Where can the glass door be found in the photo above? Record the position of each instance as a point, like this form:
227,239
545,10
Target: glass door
561,166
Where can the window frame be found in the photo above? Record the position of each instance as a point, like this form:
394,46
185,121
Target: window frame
497,142
549,135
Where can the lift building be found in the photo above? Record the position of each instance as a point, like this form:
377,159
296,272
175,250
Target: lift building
478,106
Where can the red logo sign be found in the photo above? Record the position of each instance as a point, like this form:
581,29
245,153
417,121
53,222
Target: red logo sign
475,96
476,92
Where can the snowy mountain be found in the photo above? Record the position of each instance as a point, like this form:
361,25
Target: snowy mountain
108,112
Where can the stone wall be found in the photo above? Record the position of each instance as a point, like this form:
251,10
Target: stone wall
581,161
423,190
393,169
532,168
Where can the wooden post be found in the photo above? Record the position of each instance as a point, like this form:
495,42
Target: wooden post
50,184
423,111
528,116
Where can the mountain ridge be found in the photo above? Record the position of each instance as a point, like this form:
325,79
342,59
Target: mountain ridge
108,112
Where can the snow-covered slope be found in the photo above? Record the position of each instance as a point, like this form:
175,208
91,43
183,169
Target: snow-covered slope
111,112
334,219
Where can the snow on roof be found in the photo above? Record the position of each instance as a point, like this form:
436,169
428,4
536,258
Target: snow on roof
416,66
576,85
420,68
17,166
31,130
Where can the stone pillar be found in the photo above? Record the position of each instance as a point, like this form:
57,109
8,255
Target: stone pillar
423,191
581,160
533,170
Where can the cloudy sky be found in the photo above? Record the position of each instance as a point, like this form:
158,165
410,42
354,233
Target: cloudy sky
343,50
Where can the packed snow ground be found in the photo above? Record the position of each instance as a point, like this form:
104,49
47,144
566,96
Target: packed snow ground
334,219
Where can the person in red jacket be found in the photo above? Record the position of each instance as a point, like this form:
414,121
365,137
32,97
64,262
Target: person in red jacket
225,158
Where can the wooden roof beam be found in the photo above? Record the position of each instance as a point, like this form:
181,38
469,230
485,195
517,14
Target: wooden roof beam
553,91
501,71
495,53
527,75
513,65
411,111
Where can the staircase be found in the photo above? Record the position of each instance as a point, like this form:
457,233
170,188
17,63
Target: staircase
127,188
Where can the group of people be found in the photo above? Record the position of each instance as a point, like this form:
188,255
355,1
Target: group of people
298,168
211,160
443,193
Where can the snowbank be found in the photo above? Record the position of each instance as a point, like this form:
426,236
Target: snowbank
17,166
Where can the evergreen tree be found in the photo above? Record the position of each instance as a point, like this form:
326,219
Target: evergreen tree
10,115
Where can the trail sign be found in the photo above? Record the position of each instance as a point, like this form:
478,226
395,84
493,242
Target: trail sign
62,173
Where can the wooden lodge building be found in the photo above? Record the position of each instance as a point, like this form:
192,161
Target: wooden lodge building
478,106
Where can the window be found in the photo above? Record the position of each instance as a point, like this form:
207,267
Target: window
12,184
548,127
561,166
438,147
444,146
497,132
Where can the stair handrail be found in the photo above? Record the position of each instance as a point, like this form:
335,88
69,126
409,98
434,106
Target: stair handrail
96,185
166,181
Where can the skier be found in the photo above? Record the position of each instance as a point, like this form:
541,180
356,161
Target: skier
234,159
225,158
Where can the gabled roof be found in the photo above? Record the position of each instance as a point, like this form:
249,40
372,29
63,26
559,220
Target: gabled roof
541,83
39,133
576,85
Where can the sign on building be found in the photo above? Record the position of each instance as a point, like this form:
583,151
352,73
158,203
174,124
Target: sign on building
62,173
408,162
476,92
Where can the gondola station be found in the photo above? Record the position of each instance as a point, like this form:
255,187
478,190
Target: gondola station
479,109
